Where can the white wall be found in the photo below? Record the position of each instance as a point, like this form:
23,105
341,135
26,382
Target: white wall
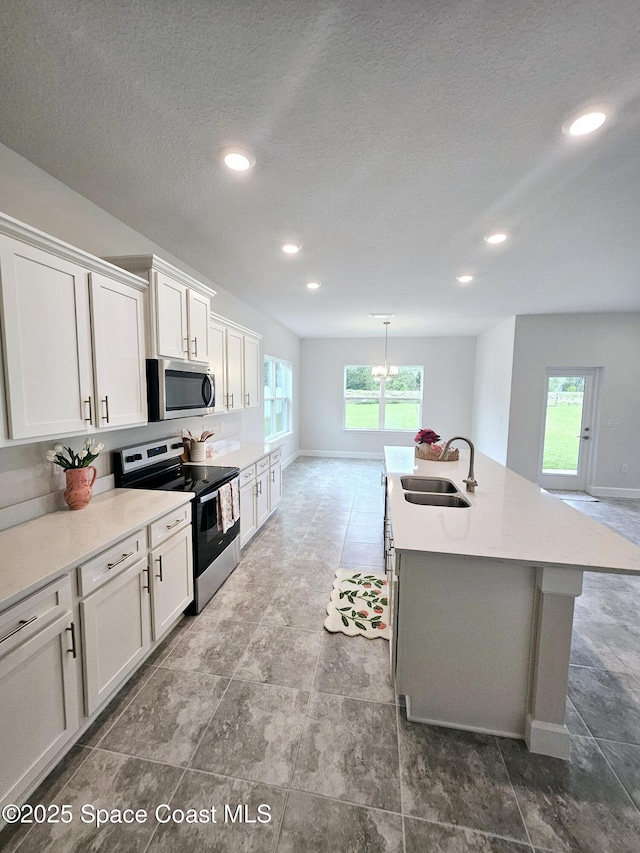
492,390
610,342
35,197
448,389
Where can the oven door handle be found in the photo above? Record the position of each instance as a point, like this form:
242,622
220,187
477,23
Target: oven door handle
211,495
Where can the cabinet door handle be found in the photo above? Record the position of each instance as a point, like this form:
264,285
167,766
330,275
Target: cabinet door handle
195,347
159,561
88,403
175,524
273,476
248,398
186,349
232,400
72,650
106,408
121,560
256,491
146,585
21,624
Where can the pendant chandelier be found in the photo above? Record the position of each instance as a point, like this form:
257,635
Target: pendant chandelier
384,371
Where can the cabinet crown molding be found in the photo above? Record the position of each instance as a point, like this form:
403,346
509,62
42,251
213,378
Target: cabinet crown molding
223,321
142,264
11,227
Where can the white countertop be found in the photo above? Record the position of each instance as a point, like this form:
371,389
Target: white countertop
240,454
43,549
510,518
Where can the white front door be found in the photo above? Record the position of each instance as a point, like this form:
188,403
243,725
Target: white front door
568,429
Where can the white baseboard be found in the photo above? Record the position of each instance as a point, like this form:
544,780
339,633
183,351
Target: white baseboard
417,717
290,459
547,738
611,492
342,454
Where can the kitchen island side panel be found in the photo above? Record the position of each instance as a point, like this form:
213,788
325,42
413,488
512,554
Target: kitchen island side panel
465,632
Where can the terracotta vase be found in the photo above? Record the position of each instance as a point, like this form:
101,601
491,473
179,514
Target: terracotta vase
79,489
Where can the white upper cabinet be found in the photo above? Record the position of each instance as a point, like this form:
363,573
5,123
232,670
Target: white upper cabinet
198,309
234,358
59,378
179,309
47,342
218,363
172,332
252,372
235,372
119,352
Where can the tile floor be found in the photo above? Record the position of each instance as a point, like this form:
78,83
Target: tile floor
252,702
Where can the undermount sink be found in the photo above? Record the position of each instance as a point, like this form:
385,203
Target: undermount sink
427,484
436,499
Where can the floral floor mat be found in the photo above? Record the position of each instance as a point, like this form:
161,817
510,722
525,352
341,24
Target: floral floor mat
359,605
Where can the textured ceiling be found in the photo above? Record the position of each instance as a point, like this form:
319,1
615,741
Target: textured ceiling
390,137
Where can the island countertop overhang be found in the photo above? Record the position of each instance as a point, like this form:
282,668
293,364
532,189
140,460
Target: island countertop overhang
510,519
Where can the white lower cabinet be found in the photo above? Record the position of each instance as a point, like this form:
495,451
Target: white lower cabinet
39,697
260,493
248,504
127,598
116,632
262,498
275,479
262,490
171,570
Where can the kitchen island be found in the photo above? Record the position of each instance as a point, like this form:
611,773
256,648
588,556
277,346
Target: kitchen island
482,598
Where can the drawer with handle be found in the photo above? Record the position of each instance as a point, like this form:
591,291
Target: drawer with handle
110,563
169,524
275,457
262,465
26,618
247,475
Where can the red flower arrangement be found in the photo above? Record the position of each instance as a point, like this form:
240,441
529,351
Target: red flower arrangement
427,436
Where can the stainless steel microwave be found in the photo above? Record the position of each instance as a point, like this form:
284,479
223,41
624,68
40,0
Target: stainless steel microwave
177,389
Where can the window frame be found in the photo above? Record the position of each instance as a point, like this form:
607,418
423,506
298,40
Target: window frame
273,397
381,398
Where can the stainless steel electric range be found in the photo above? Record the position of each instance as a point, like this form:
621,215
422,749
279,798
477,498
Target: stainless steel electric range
157,465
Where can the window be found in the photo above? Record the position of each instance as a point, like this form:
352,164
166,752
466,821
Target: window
391,404
277,397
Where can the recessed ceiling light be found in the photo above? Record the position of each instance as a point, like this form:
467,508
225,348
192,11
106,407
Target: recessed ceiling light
464,279
237,159
494,239
381,316
291,248
584,122
313,285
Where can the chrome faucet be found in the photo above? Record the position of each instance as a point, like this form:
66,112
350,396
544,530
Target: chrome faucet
471,480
